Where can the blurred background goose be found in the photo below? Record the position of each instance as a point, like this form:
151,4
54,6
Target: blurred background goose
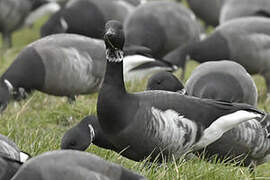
244,8
13,14
243,40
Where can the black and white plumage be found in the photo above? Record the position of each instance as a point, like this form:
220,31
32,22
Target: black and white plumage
207,10
70,165
13,14
86,17
165,81
11,158
222,80
60,65
243,40
161,26
244,8
153,122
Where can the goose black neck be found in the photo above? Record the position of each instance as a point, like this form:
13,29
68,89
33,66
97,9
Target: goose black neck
112,99
114,76
214,47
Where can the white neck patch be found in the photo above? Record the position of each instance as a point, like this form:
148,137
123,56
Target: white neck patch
92,132
114,56
9,86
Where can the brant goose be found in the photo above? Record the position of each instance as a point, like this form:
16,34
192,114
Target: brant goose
62,65
207,10
86,17
161,26
70,165
242,8
159,124
243,40
13,14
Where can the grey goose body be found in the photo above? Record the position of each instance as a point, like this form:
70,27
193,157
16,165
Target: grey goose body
222,80
207,10
158,121
243,40
13,14
86,17
233,9
161,26
70,165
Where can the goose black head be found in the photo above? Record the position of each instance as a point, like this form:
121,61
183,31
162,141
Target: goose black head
165,81
80,136
114,39
5,94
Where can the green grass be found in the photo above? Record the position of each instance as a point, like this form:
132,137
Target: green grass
38,123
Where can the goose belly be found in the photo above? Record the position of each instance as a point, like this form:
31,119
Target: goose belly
69,72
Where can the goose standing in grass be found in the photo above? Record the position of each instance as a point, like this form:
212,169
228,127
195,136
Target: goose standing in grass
86,17
62,65
244,40
243,8
71,165
13,14
161,26
207,10
153,122
11,158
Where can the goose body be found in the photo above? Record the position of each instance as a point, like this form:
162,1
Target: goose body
222,80
155,122
207,10
13,14
86,17
244,8
75,165
243,40
161,26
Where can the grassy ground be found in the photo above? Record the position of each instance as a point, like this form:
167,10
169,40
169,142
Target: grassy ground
38,123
